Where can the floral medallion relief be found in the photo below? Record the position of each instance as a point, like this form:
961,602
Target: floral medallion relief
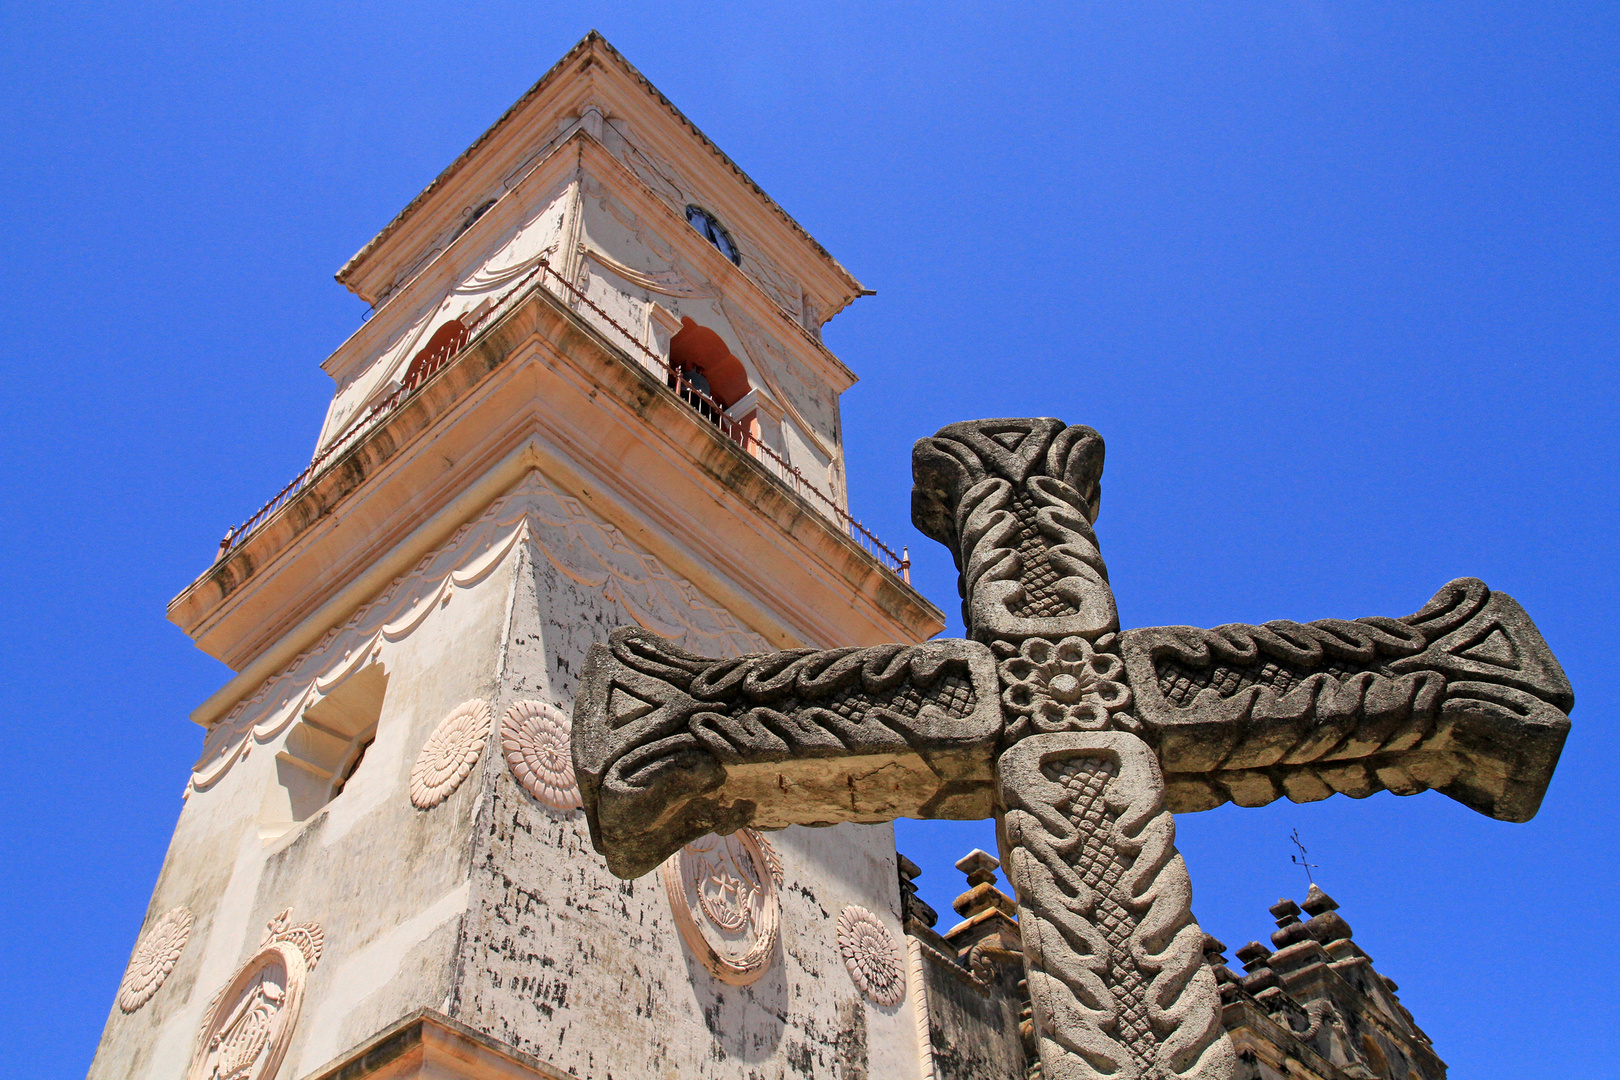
723,893
155,956
249,1024
450,753
870,956
1066,686
536,737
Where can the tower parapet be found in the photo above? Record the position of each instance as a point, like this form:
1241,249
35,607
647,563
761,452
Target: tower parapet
1316,1003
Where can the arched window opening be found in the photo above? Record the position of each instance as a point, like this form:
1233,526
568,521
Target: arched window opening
446,342
323,752
706,366
714,232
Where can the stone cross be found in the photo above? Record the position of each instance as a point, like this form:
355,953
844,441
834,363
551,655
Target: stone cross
1078,738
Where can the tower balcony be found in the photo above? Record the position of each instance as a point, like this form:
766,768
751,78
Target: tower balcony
535,370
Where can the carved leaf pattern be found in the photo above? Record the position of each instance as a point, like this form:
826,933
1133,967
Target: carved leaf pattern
1117,977
155,956
1464,697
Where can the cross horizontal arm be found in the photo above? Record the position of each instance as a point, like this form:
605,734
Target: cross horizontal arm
669,746
1463,697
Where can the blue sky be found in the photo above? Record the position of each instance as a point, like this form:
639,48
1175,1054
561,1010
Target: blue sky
1336,281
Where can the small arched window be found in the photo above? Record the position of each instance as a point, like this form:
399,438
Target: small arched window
714,232
700,353
445,343
323,752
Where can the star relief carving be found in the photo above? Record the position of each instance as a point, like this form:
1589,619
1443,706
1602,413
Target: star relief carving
722,891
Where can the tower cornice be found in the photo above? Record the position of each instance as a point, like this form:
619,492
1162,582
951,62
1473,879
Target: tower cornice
541,389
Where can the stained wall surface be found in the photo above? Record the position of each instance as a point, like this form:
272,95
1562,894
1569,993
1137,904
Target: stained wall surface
491,907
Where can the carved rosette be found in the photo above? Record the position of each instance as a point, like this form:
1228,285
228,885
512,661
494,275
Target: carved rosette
722,891
871,956
536,738
1064,685
450,753
155,956
249,1024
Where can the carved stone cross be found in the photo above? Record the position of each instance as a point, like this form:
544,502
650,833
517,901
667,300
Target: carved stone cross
1078,738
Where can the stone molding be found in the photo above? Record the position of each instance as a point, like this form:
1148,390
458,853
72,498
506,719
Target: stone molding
155,956
722,892
535,736
427,1045
248,1026
871,956
560,528
450,753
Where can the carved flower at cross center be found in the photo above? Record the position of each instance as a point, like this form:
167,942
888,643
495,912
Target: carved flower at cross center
1065,685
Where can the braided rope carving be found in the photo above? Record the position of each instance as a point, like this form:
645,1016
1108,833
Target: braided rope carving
669,746
1117,978
1014,501
1464,697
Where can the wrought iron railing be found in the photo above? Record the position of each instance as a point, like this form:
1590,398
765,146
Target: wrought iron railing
699,399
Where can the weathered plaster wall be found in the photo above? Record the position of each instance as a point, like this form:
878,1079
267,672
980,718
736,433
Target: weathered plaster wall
589,973
492,907
973,1026
387,883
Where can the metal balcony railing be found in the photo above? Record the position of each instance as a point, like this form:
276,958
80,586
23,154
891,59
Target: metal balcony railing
702,402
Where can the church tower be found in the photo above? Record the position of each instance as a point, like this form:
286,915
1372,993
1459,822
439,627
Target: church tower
592,394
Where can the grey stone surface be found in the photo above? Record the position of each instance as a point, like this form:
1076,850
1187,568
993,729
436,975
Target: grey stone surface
669,746
1463,697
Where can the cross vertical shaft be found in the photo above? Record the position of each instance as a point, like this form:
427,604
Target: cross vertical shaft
1116,974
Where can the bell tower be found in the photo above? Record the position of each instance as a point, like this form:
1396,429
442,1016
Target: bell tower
592,393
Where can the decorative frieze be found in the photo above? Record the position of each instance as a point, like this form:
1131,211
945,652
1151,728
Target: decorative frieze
563,532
